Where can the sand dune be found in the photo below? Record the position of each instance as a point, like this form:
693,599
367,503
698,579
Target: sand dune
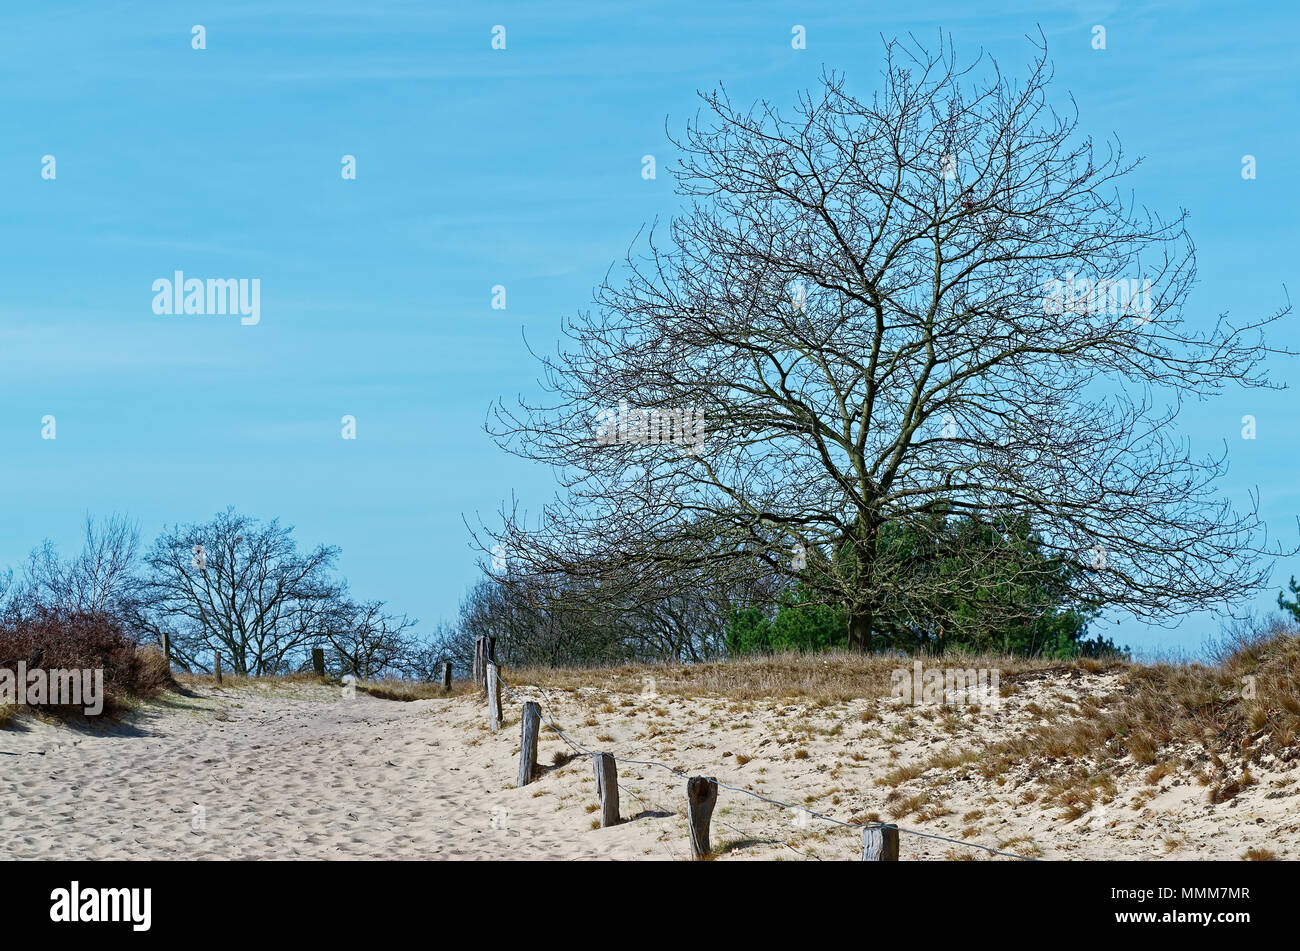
296,770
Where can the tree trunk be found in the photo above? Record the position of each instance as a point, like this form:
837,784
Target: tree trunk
862,613
860,629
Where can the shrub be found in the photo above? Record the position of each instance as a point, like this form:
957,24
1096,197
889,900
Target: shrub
84,640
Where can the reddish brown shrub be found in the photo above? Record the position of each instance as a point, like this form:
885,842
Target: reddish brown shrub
84,641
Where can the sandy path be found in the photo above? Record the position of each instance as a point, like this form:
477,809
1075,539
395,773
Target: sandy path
283,772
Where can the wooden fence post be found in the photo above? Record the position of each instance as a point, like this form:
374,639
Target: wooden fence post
879,843
216,666
446,675
607,788
479,655
528,743
318,660
701,795
492,650
167,649
494,697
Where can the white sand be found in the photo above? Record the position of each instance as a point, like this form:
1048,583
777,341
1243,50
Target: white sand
297,771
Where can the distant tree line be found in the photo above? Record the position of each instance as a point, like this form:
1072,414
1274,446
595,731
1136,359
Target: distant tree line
961,583
232,584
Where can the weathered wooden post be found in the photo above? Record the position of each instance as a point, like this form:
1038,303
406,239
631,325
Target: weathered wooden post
167,649
528,743
216,666
492,650
446,675
879,842
701,795
479,656
607,788
318,660
494,697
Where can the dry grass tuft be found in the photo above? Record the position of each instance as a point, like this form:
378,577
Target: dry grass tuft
561,758
1260,855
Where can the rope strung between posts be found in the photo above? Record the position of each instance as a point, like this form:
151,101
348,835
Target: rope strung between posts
747,792
564,736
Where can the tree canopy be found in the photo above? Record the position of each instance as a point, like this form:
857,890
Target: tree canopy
890,312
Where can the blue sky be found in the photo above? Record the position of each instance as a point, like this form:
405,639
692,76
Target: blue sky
478,167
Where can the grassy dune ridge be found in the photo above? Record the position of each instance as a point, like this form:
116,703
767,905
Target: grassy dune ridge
1084,745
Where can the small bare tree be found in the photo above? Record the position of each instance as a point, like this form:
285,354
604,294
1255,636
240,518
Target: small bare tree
368,640
101,579
930,303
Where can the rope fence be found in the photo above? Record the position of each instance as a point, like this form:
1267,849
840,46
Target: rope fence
880,839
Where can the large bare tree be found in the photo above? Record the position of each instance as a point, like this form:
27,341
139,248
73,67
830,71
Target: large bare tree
240,586
932,303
